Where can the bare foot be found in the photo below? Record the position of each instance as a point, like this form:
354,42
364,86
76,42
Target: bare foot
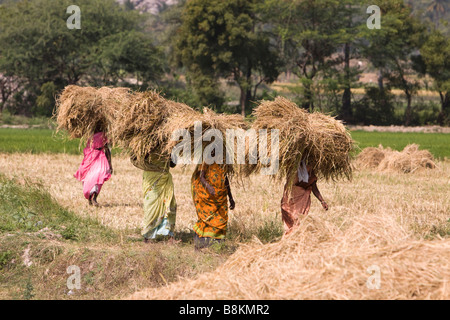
94,199
173,241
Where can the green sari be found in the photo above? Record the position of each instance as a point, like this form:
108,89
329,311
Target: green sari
159,198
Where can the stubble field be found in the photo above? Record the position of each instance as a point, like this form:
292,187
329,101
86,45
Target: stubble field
395,221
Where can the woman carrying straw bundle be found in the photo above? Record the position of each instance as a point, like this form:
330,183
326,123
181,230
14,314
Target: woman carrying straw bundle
159,198
297,201
96,167
210,192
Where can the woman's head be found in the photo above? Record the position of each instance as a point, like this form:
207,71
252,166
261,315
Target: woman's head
98,128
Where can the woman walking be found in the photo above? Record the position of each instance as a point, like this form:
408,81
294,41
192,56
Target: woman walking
159,198
96,167
210,192
297,202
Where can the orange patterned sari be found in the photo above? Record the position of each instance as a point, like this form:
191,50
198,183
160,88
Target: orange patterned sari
212,211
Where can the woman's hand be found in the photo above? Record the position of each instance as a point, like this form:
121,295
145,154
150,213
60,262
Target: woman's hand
324,205
232,204
210,189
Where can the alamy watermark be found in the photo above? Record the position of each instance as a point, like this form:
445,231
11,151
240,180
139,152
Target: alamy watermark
374,281
74,281
74,21
374,21
239,143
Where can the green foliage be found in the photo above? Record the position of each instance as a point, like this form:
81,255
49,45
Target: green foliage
37,46
30,208
224,39
425,114
270,231
391,48
311,36
376,107
36,141
46,101
5,258
28,292
436,143
435,55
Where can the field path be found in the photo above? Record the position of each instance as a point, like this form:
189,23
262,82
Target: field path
121,197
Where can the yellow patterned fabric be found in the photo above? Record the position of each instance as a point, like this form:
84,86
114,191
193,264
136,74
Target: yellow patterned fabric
159,199
212,211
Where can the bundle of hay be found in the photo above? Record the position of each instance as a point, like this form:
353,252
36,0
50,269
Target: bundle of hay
320,140
82,110
409,160
371,157
209,120
321,261
137,128
147,124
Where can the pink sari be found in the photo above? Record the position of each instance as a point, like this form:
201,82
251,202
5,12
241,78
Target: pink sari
94,170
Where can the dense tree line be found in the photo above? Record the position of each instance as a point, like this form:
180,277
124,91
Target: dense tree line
189,50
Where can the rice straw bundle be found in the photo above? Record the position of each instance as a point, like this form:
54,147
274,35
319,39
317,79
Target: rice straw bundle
209,120
320,140
371,157
409,160
82,110
137,125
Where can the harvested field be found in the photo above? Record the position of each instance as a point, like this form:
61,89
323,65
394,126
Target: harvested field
319,261
424,129
390,220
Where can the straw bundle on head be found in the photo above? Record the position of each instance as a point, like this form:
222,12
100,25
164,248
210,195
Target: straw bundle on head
83,110
209,120
136,125
320,140
409,160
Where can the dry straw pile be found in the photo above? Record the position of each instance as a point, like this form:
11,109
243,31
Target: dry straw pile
82,110
320,261
137,128
209,120
409,160
320,140
150,123
142,123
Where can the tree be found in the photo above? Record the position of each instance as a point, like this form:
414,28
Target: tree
309,34
438,10
435,54
392,48
38,47
224,39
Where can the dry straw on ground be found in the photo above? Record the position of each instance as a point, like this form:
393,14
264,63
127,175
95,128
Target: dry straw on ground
377,218
409,160
320,140
321,261
82,110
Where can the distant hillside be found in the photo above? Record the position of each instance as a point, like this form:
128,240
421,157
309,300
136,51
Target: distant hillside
151,6
436,12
